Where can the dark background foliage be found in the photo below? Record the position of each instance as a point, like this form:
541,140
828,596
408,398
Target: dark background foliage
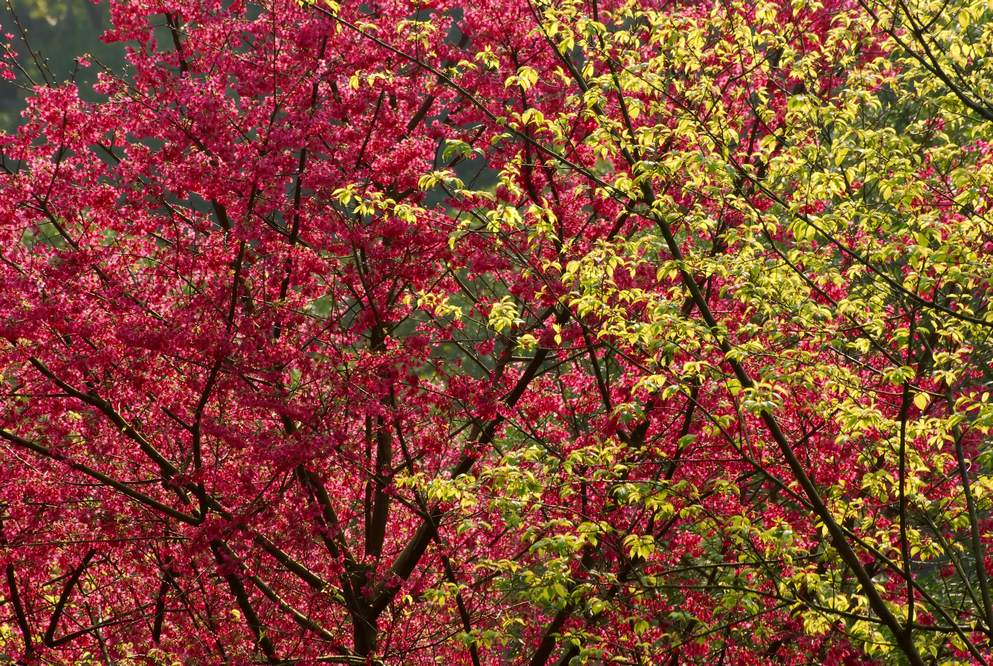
49,35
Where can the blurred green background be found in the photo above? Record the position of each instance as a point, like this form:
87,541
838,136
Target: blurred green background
58,31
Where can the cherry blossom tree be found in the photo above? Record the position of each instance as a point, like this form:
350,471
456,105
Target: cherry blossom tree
407,332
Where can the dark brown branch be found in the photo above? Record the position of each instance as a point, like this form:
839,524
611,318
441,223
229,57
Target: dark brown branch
49,637
228,564
101,477
22,620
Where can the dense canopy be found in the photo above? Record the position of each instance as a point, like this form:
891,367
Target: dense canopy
508,331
